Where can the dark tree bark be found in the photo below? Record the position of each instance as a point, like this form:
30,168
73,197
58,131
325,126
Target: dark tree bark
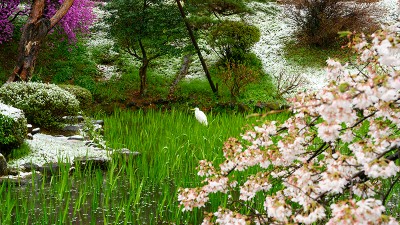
145,59
182,73
33,33
196,46
143,76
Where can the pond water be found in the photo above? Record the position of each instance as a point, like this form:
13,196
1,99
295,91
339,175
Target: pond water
83,198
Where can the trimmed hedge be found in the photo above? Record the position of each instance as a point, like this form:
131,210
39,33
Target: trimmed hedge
43,104
83,95
13,128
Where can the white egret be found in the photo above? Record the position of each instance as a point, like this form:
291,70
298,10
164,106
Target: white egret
200,116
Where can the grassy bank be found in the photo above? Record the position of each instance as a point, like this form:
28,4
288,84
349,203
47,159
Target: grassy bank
142,190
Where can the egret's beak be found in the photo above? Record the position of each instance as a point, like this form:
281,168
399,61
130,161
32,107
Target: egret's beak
192,109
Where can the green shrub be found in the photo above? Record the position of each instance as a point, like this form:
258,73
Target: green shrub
236,77
63,75
55,66
233,39
86,82
104,55
13,128
43,104
19,152
83,95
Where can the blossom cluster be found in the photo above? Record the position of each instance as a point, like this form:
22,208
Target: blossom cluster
341,140
7,9
78,18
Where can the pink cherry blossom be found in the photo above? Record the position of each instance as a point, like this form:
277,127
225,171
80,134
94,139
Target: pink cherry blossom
341,141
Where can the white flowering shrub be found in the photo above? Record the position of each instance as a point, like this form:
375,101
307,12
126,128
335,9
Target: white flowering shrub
13,128
327,163
83,95
43,104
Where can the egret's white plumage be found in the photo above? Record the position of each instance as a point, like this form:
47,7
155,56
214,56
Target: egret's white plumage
200,116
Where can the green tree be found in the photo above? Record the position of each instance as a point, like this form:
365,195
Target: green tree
233,39
146,29
210,11
203,15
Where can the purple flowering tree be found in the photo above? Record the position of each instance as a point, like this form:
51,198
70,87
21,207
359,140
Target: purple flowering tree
8,11
78,18
43,16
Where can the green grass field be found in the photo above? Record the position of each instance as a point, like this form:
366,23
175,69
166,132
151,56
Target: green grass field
142,190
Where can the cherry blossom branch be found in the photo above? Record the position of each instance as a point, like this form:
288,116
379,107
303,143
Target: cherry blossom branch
362,177
253,210
312,157
318,151
359,122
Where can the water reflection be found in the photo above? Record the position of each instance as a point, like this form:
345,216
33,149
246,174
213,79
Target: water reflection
84,199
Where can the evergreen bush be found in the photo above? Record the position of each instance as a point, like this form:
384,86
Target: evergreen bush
13,128
83,95
43,104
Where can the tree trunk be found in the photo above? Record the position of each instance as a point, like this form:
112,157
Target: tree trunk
33,34
182,73
196,46
143,76
31,38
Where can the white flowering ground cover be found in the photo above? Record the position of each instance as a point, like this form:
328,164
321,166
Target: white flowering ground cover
100,39
10,111
51,149
276,29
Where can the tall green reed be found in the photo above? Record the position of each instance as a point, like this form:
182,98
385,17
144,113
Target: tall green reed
138,190
171,144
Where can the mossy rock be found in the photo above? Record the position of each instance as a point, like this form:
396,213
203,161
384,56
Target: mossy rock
13,128
83,95
43,104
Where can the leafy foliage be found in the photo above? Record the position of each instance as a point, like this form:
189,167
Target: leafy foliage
83,95
236,77
43,104
146,29
233,39
13,128
152,24
204,9
55,66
